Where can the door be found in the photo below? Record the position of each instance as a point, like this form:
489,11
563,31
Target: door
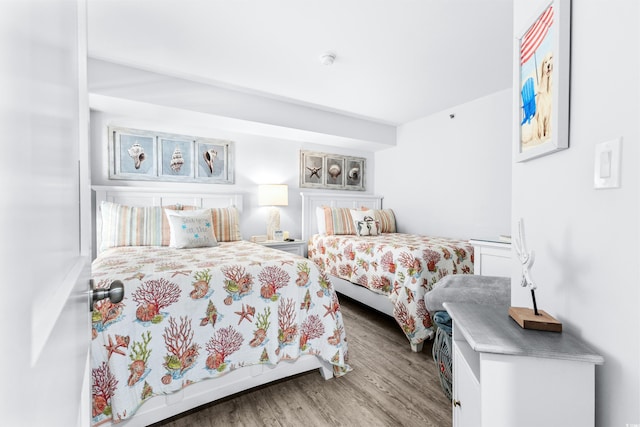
44,190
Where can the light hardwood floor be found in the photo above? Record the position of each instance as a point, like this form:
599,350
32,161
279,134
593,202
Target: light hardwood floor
389,386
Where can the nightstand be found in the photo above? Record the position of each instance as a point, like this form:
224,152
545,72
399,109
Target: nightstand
297,247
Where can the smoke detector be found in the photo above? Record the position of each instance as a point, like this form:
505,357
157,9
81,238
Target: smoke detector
327,58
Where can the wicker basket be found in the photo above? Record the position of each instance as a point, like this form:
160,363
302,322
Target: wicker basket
442,356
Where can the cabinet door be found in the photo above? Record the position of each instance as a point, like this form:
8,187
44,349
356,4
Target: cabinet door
466,391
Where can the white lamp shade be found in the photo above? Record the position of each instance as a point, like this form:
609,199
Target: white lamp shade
273,195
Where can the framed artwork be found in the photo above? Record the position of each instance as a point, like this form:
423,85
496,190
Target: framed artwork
311,169
214,158
146,155
335,171
541,76
134,154
331,171
176,158
354,176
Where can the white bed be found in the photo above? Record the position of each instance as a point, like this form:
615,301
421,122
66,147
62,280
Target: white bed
311,201
161,407
387,270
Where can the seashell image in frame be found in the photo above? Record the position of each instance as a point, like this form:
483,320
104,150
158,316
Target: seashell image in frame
147,155
332,171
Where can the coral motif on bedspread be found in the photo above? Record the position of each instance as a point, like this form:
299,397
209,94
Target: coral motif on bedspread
194,314
403,266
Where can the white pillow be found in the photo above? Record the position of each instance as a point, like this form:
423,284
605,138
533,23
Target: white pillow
367,228
365,223
191,229
359,215
320,220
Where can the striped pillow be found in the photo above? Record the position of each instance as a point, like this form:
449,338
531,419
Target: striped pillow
226,224
148,226
338,221
130,226
387,220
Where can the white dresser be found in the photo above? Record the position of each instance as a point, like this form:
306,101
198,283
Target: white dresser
506,376
491,257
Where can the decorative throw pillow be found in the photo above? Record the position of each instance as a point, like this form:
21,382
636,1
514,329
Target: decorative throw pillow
387,220
365,223
129,226
367,227
338,221
191,229
226,224
166,231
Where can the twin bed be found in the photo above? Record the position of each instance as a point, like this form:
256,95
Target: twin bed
390,271
206,314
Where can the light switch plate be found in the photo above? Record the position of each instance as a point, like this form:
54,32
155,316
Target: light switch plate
606,171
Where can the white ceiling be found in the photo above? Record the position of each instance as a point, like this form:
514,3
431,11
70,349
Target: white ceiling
397,60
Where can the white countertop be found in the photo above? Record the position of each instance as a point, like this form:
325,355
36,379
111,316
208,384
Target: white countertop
490,329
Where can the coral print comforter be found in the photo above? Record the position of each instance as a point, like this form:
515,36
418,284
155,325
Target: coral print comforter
194,314
402,266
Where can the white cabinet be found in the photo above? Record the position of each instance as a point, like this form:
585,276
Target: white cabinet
466,386
297,247
491,258
505,376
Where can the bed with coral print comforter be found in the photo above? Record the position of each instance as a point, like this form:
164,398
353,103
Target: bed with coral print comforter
402,266
194,314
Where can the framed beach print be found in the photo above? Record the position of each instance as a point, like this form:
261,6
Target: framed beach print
354,173
146,155
176,158
311,169
331,171
214,161
541,82
133,154
334,167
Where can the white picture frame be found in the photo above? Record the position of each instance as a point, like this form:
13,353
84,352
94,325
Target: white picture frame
331,171
136,154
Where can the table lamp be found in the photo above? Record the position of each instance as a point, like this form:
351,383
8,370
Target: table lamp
273,195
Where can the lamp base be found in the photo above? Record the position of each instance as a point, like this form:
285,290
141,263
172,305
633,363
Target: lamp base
527,319
273,222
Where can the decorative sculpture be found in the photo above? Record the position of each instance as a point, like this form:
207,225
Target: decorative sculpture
525,317
526,259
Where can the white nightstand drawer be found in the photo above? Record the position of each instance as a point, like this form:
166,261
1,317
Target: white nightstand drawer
297,247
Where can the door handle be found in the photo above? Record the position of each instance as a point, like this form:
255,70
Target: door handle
115,293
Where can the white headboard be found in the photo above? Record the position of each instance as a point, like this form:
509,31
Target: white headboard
310,201
140,196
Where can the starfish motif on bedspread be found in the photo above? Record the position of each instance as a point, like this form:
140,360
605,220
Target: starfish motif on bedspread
183,272
139,275
332,309
247,313
114,347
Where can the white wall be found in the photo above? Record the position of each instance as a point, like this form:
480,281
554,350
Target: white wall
586,240
258,159
451,177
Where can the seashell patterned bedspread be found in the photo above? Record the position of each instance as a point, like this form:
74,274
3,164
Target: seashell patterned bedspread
194,314
403,266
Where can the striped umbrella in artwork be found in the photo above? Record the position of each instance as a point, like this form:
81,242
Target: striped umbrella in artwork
529,45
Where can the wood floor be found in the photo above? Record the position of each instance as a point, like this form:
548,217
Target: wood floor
389,386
